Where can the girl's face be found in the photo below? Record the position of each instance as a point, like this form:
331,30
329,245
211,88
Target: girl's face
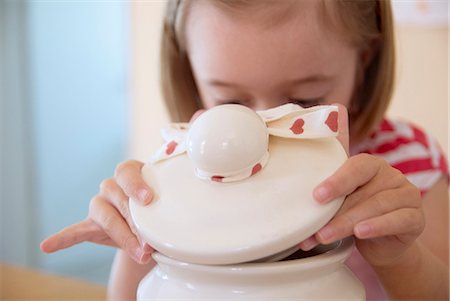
268,55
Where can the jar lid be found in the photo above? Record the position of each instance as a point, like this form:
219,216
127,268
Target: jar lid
243,214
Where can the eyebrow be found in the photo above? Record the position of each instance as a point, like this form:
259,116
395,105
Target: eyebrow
220,83
292,82
308,79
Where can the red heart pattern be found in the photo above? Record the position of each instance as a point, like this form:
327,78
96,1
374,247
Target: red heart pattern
297,126
217,178
171,146
332,121
256,169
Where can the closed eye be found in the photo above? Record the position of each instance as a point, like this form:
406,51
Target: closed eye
231,102
306,103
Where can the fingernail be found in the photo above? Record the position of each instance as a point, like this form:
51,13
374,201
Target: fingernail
326,234
321,194
147,248
145,258
308,244
138,253
44,247
143,195
362,230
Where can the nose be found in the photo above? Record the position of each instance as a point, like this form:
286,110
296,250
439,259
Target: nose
265,104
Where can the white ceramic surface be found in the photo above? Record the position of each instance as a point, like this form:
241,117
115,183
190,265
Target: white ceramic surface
321,277
227,139
206,222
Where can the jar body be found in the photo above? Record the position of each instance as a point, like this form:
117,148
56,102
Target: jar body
323,276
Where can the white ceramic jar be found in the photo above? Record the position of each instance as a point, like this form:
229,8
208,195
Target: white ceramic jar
323,276
229,203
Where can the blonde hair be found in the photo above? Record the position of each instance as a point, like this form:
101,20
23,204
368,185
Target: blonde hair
366,21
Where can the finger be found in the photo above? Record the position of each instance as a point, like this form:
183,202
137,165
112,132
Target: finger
308,243
343,133
376,185
405,221
110,220
129,177
355,172
111,191
385,202
72,235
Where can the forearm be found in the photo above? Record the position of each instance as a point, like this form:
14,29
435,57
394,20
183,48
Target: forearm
418,275
125,277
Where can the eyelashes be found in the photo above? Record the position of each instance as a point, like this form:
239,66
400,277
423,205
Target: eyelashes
232,102
305,103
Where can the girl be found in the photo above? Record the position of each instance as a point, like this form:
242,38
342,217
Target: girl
266,53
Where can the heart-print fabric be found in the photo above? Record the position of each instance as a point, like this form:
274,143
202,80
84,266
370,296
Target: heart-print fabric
288,121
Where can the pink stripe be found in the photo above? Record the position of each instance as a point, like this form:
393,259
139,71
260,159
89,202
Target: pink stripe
443,164
385,147
386,126
414,165
420,137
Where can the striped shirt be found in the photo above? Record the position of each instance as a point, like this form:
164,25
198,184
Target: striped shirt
409,149
418,156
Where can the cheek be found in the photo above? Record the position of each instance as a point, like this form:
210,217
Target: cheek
344,87
205,97
343,95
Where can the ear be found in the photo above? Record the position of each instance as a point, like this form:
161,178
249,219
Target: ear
365,57
367,53
343,133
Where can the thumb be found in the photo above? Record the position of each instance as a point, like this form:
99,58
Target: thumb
343,133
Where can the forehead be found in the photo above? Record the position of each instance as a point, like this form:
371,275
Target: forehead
287,39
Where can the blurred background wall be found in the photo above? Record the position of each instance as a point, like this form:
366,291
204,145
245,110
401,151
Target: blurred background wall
421,93
80,92
64,124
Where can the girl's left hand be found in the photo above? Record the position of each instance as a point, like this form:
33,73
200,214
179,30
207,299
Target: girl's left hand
383,210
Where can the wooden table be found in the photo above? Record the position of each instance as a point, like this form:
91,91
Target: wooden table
18,283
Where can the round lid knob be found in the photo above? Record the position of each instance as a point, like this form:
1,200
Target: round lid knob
227,139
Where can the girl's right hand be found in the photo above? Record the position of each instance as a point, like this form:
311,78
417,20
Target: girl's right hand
109,221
